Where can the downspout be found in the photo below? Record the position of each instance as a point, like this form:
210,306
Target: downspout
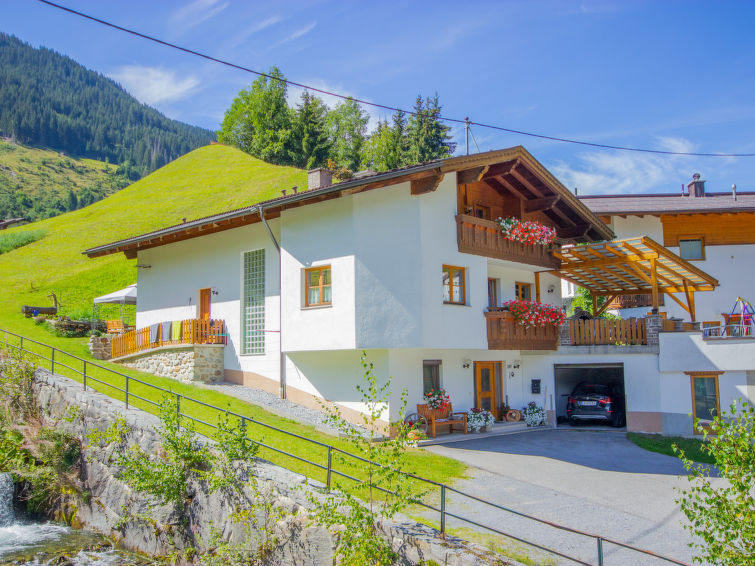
282,359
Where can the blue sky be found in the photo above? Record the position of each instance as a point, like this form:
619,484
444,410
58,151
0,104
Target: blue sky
661,75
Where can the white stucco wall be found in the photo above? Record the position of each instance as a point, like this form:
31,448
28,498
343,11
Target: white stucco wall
169,289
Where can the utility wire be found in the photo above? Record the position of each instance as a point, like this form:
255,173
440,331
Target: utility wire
383,106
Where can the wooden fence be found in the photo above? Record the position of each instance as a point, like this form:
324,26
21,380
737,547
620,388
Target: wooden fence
629,332
193,331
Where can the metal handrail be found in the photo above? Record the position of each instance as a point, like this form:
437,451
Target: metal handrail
730,331
329,469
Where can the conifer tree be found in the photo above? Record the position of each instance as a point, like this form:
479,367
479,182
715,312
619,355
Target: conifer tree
347,126
311,145
428,137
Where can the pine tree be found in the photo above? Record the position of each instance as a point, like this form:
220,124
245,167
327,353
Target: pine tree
311,145
428,137
347,126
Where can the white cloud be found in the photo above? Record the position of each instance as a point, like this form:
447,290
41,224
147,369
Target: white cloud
154,84
625,172
245,34
193,14
297,34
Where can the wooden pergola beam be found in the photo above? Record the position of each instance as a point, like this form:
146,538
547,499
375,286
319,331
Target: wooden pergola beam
609,300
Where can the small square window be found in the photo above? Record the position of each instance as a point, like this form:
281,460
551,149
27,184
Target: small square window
691,249
454,285
318,287
523,291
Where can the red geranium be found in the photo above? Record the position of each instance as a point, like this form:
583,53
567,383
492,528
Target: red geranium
529,232
532,313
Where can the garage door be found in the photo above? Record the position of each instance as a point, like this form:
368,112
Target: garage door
569,375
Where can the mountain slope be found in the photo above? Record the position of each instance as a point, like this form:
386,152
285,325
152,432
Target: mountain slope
49,100
38,183
208,180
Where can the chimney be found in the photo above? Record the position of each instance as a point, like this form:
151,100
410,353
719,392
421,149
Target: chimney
734,191
318,178
697,187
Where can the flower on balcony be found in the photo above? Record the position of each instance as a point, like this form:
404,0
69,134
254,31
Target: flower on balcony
438,399
528,232
532,313
477,419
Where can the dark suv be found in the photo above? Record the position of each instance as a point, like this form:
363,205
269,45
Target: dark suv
597,401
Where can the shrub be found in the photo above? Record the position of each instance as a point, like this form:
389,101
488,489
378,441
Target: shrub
533,415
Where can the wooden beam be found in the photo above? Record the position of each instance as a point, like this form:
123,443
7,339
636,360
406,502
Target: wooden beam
594,303
537,286
654,281
609,300
497,170
690,301
681,304
502,186
426,184
540,204
130,254
519,177
576,231
471,175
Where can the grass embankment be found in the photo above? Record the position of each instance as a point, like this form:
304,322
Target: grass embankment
10,242
664,445
208,180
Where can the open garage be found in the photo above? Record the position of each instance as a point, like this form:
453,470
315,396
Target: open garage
568,376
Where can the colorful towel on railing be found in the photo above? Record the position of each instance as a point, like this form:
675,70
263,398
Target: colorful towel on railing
153,333
175,333
166,330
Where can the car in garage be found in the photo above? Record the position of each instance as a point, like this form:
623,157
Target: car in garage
596,402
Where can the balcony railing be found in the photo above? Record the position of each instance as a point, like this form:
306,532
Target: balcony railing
193,331
505,333
601,331
484,237
631,301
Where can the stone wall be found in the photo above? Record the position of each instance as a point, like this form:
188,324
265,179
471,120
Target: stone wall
188,362
154,529
101,347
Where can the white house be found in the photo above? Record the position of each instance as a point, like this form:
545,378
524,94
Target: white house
410,267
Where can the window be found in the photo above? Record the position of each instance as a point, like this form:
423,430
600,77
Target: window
481,211
454,286
253,303
691,248
430,375
523,291
705,402
318,290
492,292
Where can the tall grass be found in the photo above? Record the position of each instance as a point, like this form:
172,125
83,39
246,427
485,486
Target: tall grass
9,242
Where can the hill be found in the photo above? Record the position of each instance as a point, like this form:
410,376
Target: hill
38,183
50,100
208,180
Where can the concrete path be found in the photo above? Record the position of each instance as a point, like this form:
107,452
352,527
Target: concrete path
594,481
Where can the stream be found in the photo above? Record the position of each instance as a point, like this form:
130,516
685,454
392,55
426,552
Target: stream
48,544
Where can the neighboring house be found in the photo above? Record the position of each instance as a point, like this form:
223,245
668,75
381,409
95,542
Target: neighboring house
410,267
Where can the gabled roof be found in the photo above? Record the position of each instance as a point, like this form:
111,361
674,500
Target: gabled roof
608,205
424,178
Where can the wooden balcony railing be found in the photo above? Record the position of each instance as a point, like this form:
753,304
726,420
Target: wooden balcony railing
193,331
505,333
631,301
629,332
484,237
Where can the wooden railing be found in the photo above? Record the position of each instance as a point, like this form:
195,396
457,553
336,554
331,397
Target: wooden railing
484,237
193,331
505,333
629,332
631,301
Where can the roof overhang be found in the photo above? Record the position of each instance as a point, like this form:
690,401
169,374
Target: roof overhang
423,178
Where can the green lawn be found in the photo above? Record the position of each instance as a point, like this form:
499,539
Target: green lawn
663,445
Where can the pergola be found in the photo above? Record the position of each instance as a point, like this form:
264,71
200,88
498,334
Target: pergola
630,267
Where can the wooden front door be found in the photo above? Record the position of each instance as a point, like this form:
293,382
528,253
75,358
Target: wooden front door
485,392
204,303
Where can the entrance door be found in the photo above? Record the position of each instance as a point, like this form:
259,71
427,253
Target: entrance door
204,303
485,397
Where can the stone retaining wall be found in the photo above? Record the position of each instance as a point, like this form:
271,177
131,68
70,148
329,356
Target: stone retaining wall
187,362
101,347
299,541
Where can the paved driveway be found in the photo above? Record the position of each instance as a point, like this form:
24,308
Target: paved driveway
595,481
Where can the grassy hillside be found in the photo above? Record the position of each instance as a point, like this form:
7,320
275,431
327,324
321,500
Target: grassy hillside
205,181
37,183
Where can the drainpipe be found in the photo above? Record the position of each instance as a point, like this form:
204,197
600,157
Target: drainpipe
282,359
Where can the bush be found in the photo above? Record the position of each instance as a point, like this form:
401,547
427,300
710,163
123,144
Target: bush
533,415
722,517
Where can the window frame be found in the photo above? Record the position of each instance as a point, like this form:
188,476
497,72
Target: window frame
705,375
463,286
437,365
493,284
320,286
523,285
692,238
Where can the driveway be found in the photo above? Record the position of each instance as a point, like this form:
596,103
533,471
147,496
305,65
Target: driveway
594,481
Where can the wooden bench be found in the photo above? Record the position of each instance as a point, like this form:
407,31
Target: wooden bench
114,326
435,417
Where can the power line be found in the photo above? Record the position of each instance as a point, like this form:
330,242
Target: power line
384,106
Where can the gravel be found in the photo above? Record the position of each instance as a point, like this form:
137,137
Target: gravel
280,407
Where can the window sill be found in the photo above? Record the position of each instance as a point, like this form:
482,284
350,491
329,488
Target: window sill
316,307
456,304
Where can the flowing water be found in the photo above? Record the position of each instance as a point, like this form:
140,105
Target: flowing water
43,544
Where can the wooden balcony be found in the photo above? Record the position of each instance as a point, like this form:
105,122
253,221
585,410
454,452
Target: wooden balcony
505,333
193,331
600,331
632,301
484,237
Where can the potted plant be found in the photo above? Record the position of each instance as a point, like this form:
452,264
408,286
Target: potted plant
527,232
533,415
534,314
438,399
479,419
